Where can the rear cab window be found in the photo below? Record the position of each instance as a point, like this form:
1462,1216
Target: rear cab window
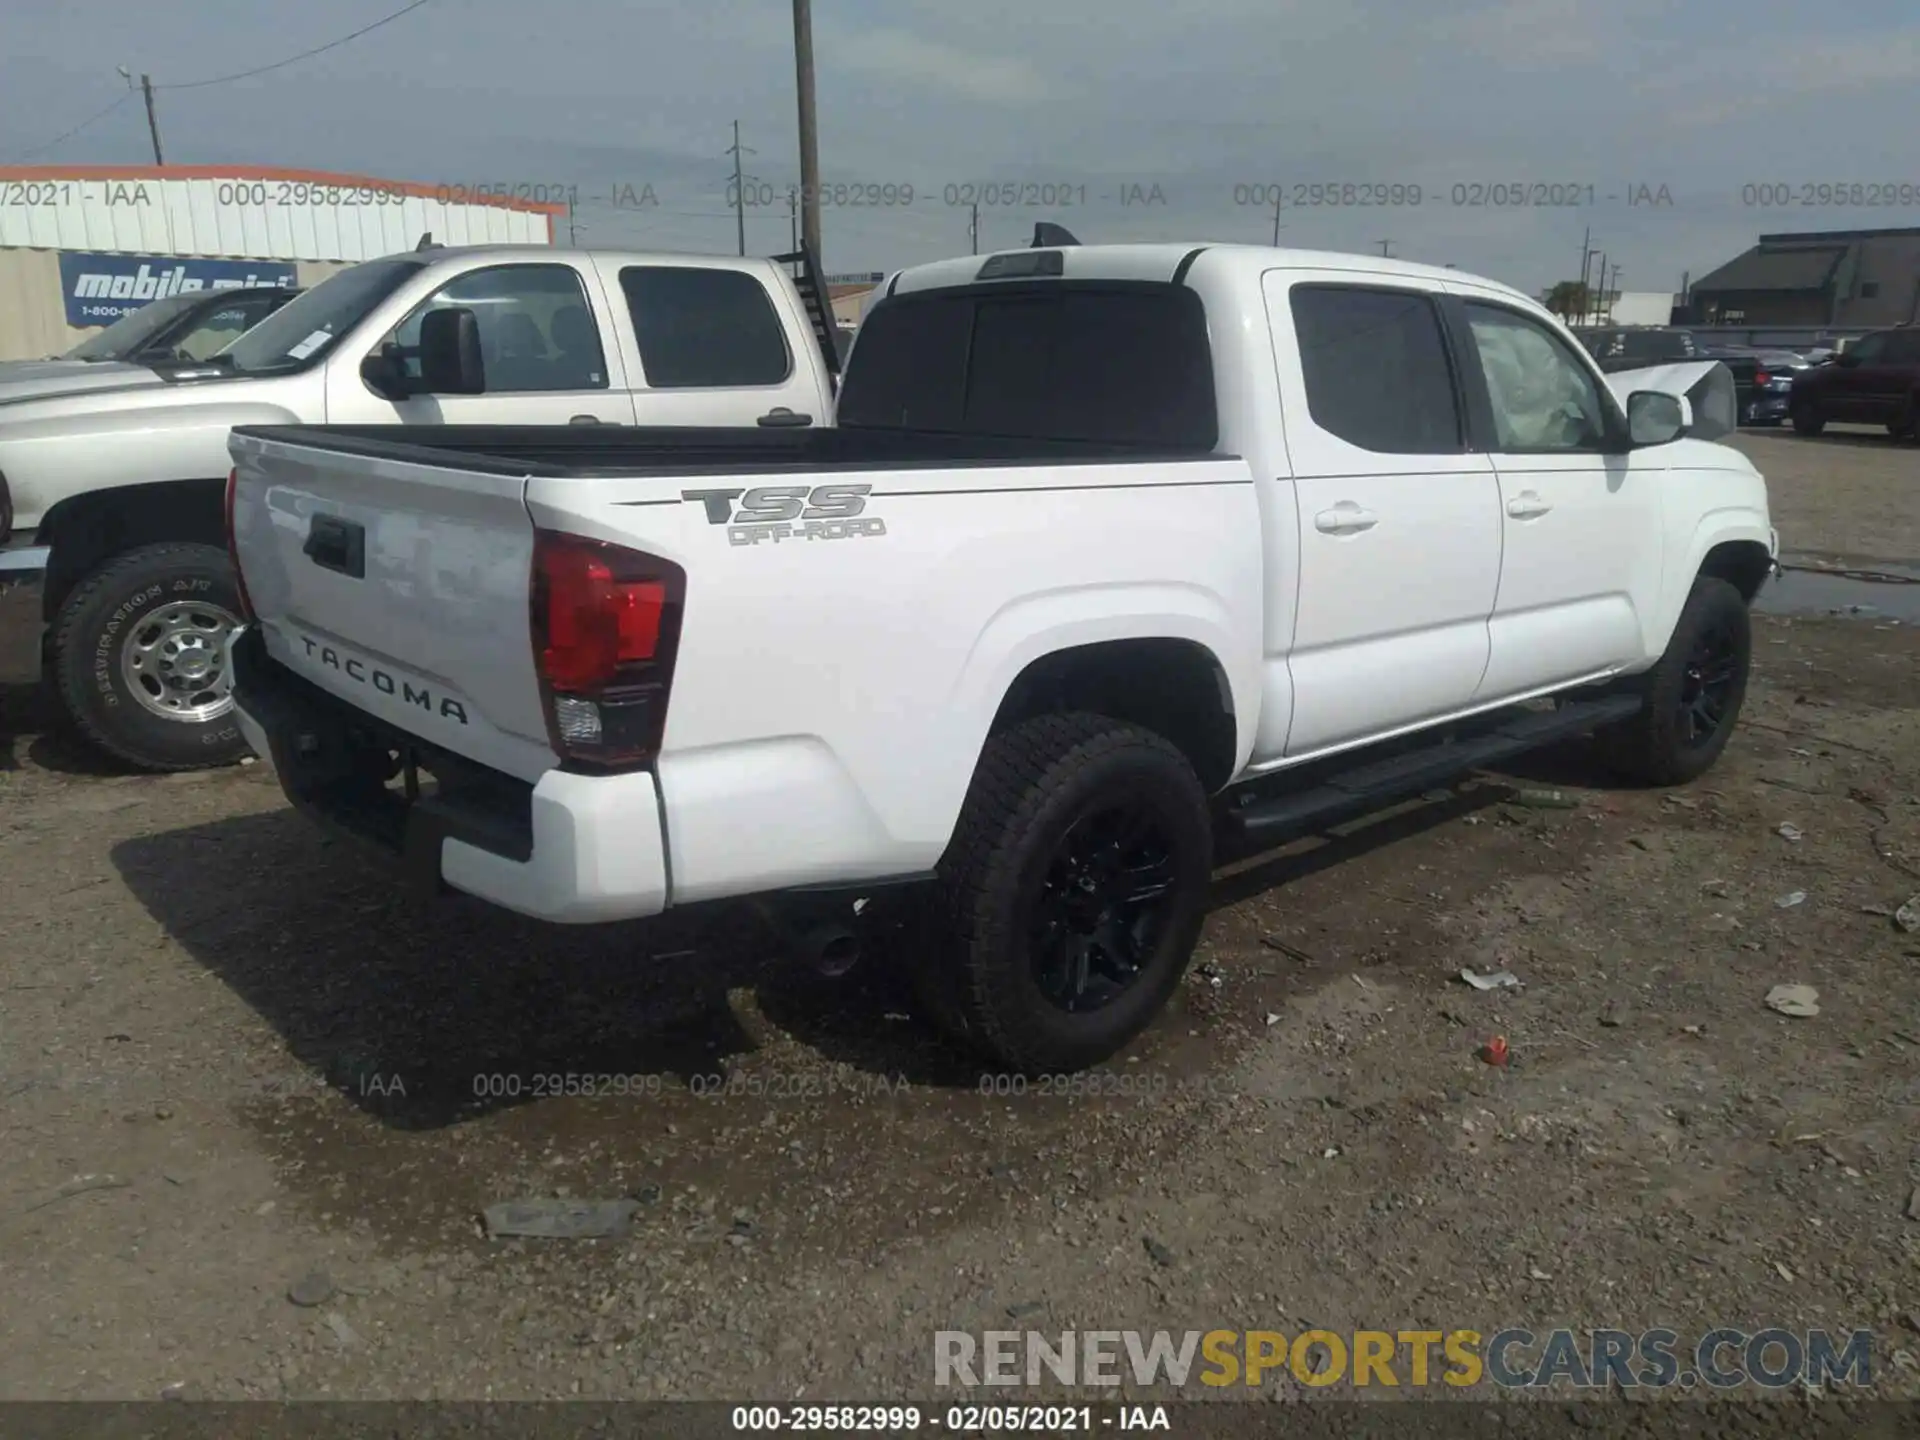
1119,363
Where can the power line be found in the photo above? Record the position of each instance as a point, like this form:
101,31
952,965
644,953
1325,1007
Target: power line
69,134
303,55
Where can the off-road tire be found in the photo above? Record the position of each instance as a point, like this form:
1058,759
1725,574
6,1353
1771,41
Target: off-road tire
94,625
1032,782
1652,746
1806,419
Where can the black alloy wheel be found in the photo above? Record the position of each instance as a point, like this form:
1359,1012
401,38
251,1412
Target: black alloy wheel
1101,907
1707,685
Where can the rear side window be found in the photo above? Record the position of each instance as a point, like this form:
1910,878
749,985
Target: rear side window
701,328
1126,366
1376,369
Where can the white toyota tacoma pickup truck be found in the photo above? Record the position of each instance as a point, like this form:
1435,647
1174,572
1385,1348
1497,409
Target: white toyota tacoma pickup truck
114,579
1114,551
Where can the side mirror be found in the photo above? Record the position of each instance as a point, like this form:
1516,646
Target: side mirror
450,359
1657,418
383,374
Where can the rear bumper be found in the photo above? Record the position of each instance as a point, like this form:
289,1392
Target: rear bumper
572,849
23,576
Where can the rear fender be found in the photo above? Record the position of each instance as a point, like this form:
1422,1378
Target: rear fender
1034,626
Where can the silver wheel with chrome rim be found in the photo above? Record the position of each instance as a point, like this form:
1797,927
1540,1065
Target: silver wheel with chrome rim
139,656
174,661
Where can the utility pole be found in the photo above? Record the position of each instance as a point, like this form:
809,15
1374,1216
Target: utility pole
573,231
1600,306
973,228
809,133
793,218
1384,246
1276,216
1586,240
153,125
739,187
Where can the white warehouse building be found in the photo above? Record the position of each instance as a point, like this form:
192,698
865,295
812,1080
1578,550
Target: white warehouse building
80,246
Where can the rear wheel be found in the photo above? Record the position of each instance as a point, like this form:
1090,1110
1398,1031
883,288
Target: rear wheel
1072,895
1807,419
140,659
1693,695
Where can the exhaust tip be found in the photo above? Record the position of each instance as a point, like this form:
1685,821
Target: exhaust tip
833,949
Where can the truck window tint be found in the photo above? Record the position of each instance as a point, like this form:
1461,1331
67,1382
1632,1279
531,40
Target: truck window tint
701,327
1542,397
1376,369
1903,347
1125,367
909,370
1654,346
536,332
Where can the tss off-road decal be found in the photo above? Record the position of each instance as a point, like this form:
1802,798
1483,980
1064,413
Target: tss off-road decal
790,512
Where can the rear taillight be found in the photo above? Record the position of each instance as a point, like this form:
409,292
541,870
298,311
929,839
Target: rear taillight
606,623
233,548
1760,377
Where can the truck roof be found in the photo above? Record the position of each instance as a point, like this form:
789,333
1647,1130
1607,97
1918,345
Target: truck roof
1163,261
441,253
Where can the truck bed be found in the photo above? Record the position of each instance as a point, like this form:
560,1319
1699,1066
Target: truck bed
605,451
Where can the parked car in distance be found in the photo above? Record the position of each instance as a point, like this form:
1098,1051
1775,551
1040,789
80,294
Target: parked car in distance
1762,377
1875,380
1112,549
180,330
1630,347
115,496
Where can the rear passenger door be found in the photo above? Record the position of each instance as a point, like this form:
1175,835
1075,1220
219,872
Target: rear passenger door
1399,520
708,345
1582,542
542,343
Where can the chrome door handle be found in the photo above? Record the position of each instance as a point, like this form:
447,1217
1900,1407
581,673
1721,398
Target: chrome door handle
1527,506
1346,518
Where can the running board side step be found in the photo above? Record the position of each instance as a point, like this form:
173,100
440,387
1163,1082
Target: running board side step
1368,787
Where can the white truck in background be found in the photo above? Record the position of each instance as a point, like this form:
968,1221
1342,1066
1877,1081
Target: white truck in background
114,577
1113,550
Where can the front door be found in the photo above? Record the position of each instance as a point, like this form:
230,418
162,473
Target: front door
1581,551
1399,521
543,338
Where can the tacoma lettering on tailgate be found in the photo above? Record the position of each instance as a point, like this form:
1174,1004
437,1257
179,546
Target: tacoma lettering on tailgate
366,673
790,512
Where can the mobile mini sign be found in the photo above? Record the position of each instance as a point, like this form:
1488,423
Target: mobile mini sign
99,289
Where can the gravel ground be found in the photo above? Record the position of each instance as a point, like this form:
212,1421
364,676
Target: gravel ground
232,1055
1849,495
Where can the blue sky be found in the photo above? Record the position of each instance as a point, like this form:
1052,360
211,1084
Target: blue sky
1108,100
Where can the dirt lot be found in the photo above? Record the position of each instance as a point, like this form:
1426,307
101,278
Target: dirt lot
231,1055
1852,495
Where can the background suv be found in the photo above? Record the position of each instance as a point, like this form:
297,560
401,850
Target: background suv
1874,381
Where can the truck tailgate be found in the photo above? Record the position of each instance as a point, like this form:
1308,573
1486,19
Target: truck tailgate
400,587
